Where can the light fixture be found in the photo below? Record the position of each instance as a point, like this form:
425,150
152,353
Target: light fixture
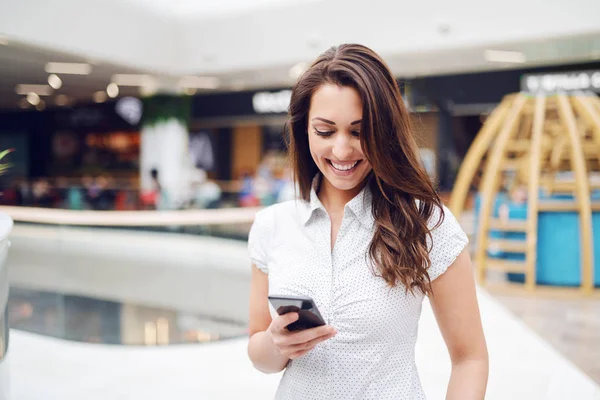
100,96
189,91
54,81
112,90
149,89
33,98
298,70
41,106
199,82
132,80
68,68
40,90
3,40
61,100
503,56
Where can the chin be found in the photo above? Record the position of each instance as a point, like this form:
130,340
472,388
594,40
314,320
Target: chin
343,185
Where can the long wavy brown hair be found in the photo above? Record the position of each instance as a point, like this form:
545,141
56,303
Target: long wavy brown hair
399,248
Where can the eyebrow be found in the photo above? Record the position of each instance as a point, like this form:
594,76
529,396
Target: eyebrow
358,121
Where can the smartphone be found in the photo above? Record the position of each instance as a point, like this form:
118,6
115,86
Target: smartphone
308,314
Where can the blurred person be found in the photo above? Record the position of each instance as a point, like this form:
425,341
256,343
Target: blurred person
75,198
106,194
24,192
207,193
151,199
247,197
42,194
61,190
287,189
368,239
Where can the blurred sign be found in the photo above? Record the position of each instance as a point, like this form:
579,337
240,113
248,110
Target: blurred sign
271,102
561,82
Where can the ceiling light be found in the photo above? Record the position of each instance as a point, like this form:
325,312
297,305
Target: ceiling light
33,99
41,106
189,91
112,90
100,96
298,70
132,80
68,68
61,100
3,40
503,56
199,82
54,81
41,90
148,89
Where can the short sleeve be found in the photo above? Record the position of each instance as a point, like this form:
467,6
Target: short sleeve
447,241
258,239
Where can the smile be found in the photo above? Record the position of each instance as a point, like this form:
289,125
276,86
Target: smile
344,167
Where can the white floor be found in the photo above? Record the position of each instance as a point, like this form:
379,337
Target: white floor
131,267
522,367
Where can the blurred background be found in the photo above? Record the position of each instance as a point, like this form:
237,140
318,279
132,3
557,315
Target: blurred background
143,136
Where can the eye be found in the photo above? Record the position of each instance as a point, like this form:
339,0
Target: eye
324,133
355,133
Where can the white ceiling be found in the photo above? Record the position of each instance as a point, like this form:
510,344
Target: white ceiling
251,44
207,8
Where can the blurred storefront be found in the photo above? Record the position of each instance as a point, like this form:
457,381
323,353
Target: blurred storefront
243,127
235,135
89,139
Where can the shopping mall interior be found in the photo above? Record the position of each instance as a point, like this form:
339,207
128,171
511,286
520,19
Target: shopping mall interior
138,140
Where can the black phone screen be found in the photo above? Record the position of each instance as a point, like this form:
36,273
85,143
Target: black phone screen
308,314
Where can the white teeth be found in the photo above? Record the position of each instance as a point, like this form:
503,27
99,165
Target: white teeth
342,167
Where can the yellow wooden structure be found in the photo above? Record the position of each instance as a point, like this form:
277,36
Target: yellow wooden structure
533,142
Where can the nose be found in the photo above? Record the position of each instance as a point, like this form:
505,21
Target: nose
342,147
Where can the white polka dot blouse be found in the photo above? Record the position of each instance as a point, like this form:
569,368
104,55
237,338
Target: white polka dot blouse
373,354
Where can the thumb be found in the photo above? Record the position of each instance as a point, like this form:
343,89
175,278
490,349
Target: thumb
288,318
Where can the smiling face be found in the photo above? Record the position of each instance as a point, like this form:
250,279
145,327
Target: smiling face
334,122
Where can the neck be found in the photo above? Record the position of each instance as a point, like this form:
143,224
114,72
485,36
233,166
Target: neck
334,199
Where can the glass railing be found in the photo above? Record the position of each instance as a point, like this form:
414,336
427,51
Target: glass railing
130,277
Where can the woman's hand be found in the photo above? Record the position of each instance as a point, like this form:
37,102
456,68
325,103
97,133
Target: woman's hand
294,344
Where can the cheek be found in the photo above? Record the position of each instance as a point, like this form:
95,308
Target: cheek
316,147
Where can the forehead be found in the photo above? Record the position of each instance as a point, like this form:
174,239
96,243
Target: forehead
340,104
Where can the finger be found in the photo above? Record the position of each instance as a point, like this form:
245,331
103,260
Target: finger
310,334
286,319
286,346
310,344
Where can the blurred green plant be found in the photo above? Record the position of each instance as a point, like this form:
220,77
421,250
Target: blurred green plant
162,108
4,166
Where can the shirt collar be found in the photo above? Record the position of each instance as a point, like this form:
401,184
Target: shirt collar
360,205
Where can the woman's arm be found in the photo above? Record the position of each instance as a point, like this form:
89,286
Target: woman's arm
454,303
261,350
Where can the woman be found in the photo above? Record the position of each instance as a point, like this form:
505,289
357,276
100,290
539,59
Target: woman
367,241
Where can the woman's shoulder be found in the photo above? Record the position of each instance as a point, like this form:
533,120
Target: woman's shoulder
283,212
